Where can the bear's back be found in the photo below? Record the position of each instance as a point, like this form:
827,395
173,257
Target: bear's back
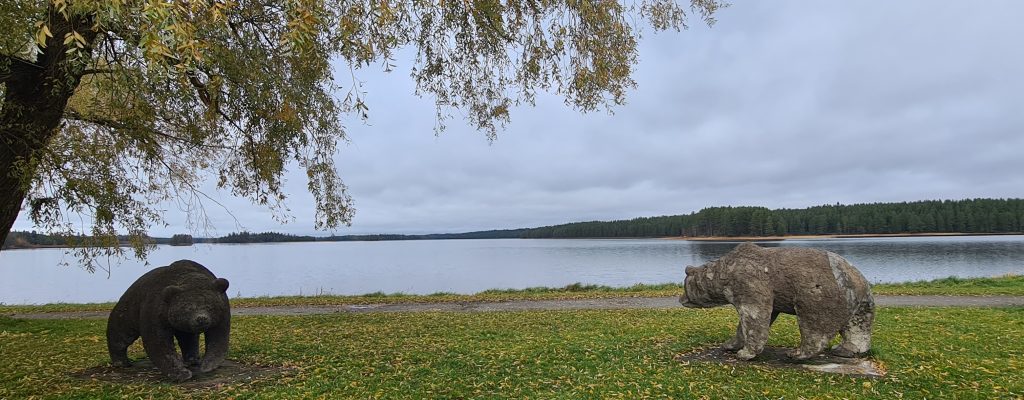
789,261
793,262
184,273
775,262
816,277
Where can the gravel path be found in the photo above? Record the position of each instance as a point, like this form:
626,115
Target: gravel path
581,304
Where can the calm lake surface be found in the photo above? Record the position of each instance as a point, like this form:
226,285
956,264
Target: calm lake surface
469,266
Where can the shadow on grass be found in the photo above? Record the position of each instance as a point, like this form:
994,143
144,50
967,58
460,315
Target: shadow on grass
144,372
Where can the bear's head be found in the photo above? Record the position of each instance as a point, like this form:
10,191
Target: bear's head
700,289
196,308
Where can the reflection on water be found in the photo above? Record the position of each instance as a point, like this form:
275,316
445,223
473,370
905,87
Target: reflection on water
469,266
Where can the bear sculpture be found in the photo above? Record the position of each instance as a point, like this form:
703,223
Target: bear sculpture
825,293
178,301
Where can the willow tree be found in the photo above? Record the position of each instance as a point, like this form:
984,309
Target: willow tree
111,108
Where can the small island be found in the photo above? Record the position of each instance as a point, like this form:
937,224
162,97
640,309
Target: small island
181,240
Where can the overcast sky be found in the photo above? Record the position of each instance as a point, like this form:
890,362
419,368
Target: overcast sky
779,104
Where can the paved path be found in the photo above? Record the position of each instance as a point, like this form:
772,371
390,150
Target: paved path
581,304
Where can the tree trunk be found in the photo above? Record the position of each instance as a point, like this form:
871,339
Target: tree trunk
33,105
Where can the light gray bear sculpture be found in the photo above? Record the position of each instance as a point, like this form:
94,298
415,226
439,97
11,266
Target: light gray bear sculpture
825,293
178,301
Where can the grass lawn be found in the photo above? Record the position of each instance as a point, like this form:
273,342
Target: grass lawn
928,353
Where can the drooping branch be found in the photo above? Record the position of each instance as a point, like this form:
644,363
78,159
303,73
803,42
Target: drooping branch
94,71
202,90
73,115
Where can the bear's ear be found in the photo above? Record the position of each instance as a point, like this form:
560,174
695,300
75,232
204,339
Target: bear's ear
170,292
690,270
221,284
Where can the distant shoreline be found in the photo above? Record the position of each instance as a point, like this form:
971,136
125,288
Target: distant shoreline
686,238
829,236
53,246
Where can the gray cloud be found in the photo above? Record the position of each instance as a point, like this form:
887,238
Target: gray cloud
780,104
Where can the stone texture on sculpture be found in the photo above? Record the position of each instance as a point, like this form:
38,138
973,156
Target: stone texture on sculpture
824,291
178,301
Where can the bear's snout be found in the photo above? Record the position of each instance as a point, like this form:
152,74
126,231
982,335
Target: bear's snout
201,321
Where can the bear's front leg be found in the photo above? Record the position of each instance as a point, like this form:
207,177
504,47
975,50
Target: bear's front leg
216,346
755,321
159,345
189,343
736,342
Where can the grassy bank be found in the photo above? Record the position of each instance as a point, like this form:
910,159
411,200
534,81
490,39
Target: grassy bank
1004,285
831,236
1011,285
928,353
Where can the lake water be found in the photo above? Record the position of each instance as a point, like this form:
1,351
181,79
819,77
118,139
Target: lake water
469,266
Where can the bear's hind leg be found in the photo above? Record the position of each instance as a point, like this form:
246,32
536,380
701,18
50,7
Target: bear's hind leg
811,344
117,346
857,333
813,339
736,342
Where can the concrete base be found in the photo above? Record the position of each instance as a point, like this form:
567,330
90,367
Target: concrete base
775,357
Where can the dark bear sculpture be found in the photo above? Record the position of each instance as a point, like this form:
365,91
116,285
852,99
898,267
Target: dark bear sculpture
178,301
825,293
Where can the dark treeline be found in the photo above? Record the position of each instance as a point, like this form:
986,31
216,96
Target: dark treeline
181,240
265,237
493,234
17,239
949,216
269,237
21,239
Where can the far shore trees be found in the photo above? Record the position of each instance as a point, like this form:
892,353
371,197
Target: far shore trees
180,239
968,216
111,108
